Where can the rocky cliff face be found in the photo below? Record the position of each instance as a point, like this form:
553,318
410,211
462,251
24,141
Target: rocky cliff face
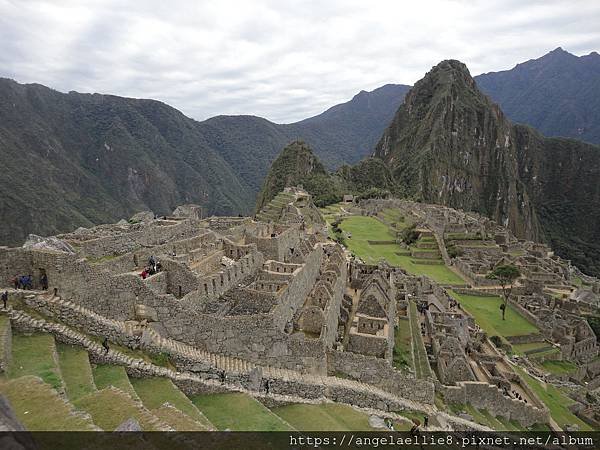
449,144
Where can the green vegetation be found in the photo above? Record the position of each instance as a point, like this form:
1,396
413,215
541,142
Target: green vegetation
420,360
402,358
364,229
177,420
505,275
324,417
557,402
154,392
109,408
40,408
485,310
558,367
108,375
521,349
34,355
238,412
76,371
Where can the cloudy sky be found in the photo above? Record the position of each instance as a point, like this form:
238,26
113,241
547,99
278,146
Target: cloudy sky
283,60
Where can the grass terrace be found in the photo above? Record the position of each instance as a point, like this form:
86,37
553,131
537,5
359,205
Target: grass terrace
402,348
324,417
105,376
35,355
364,229
487,314
558,367
76,371
238,412
557,402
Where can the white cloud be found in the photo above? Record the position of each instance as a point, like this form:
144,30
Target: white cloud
281,60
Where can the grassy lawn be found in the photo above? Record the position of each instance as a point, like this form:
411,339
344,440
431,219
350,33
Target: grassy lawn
154,392
324,417
555,400
76,371
364,229
421,363
402,355
39,408
558,367
522,348
238,412
34,355
486,311
106,375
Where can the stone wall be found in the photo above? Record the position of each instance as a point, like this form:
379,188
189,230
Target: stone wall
380,373
489,397
152,235
5,345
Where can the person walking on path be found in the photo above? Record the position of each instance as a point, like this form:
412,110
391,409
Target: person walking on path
105,344
5,298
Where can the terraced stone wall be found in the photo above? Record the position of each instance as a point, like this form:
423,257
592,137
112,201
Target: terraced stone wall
486,396
380,373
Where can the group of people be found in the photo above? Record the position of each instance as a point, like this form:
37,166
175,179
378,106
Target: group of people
26,282
154,266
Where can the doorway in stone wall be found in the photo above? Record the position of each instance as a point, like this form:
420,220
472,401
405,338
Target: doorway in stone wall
42,279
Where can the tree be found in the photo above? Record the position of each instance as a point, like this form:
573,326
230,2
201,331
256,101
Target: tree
506,275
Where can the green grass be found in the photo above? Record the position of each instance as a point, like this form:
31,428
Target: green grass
487,314
555,400
420,360
364,229
107,375
522,348
558,367
178,420
110,408
34,355
324,417
238,412
402,354
39,408
76,371
154,392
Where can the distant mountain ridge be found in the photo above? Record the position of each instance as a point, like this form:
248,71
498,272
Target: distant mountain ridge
76,159
557,94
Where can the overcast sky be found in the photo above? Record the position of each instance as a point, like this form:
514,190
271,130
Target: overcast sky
282,60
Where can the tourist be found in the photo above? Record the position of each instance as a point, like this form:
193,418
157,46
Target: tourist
267,386
44,282
16,282
56,292
105,344
174,253
158,267
144,274
5,298
426,421
151,261
222,376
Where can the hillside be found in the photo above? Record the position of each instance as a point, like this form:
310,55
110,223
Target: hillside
74,159
78,159
450,144
558,94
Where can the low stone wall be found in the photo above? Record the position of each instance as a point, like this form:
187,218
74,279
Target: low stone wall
5,346
485,396
525,339
380,373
